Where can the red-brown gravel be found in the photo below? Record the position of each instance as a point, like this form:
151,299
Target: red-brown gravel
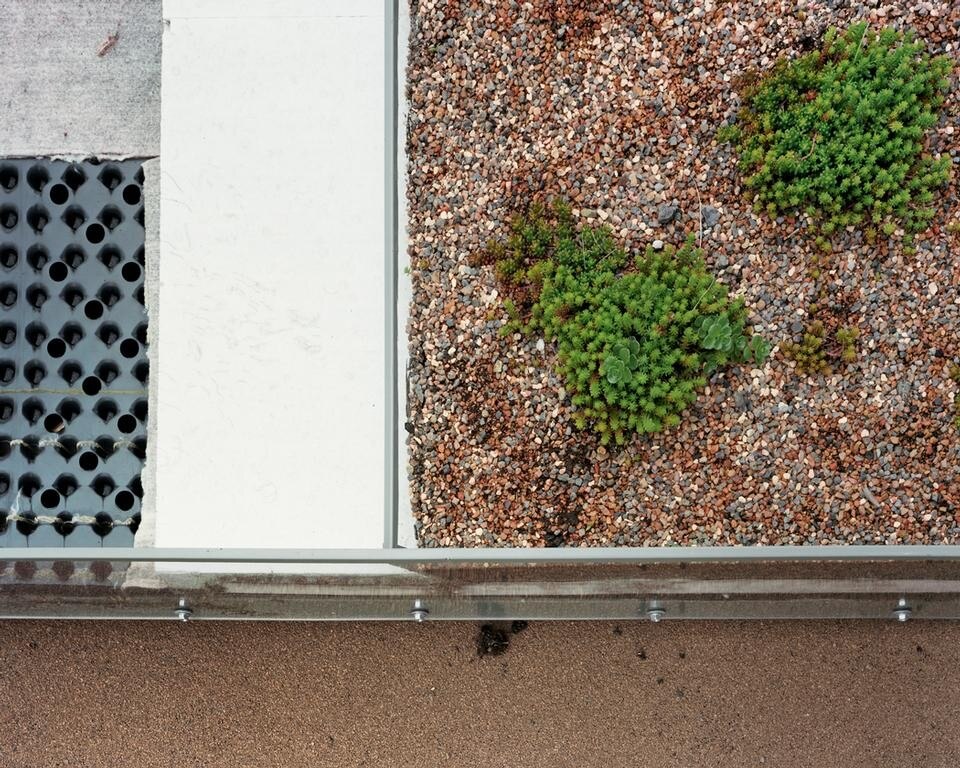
615,106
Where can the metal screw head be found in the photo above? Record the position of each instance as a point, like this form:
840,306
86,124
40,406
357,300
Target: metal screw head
655,611
183,611
420,612
902,611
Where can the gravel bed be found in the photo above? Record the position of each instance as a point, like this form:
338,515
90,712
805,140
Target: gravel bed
615,106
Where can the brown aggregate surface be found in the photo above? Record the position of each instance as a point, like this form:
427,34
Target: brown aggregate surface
615,106
151,694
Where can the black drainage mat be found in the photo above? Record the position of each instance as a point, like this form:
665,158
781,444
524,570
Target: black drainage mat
73,361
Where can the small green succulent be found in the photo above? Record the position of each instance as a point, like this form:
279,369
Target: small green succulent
716,333
757,350
622,361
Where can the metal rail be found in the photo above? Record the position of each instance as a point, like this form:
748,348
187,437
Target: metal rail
391,399
558,556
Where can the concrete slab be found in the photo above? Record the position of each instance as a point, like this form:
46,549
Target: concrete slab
269,377
60,97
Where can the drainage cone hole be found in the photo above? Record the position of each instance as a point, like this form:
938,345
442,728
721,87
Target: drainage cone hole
70,372
74,177
32,410
73,256
64,524
74,217
103,524
103,485
131,194
56,347
93,309
50,499
108,333
59,194
58,271
131,271
96,233
129,348
37,177
9,256
66,485
30,448
37,257
28,485
107,371
111,177
91,386
8,294
8,372
109,294
66,447
27,523
127,423
8,217
88,461
37,218
73,295
124,500
36,334
54,422
69,409
37,296
71,333
9,177
34,372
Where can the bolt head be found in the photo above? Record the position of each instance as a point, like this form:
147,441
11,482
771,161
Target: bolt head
903,611
420,612
183,610
656,615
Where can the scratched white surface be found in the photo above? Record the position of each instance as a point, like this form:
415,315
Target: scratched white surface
271,357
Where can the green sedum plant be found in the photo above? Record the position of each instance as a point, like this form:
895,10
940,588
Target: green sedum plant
839,133
636,338
817,351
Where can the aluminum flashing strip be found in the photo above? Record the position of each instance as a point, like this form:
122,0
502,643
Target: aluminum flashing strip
392,399
625,555
73,362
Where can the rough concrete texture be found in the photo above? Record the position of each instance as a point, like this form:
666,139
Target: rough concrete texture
66,91
588,694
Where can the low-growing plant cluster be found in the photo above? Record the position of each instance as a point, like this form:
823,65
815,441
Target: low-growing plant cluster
839,133
818,351
636,337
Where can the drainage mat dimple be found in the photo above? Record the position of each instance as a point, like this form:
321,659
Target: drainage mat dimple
73,360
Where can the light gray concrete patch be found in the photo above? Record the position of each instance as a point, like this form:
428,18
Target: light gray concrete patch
66,91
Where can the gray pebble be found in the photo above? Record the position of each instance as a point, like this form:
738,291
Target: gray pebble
710,216
666,213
